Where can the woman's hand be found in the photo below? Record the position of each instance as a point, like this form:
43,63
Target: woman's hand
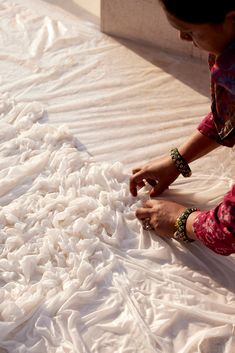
162,215
159,174
162,172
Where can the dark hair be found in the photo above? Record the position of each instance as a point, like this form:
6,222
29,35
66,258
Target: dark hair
199,11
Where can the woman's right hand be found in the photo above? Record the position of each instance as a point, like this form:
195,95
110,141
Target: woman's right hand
158,173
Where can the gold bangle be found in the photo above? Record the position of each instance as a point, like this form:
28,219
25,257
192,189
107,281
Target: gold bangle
180,225
180,163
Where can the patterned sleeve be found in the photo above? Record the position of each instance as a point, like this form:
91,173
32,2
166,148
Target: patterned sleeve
219,124
207,128
216,228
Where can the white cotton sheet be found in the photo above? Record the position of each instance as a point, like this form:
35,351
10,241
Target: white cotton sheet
77,272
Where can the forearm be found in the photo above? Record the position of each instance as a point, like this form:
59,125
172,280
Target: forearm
189,225
197,146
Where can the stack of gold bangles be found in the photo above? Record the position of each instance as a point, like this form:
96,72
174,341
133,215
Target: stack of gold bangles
180,226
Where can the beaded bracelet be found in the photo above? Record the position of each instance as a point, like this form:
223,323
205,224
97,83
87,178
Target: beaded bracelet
180,163
180,225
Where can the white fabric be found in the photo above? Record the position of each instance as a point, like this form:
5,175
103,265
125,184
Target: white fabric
77,272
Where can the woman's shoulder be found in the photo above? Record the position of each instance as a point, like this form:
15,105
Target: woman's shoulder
223,68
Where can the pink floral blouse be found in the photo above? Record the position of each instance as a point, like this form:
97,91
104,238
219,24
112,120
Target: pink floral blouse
216,228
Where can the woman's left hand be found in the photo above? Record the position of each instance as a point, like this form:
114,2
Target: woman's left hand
160,215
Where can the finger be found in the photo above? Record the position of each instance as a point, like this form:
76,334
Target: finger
151,182
133,187
153,221
149,204
141,185
135,180
136,170
142,213
158,190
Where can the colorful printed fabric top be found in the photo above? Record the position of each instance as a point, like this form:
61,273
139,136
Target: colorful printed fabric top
219,124
216,228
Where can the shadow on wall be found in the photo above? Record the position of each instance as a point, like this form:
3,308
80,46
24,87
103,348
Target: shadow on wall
192,72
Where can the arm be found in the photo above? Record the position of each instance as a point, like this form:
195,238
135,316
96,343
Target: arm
214,228
200,225
160,173
197,146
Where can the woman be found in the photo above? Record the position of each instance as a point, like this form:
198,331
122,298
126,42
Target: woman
209,25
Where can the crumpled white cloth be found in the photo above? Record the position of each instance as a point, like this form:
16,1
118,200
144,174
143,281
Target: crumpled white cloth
77,272
56,207
84,290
